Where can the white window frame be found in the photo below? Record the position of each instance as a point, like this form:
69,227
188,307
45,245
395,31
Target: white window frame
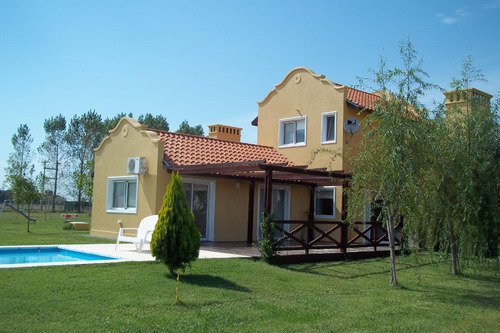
324,117
260,201
334,190
210,205
109,195
281,132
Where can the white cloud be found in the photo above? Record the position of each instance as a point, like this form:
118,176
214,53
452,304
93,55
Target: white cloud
453,18
493,4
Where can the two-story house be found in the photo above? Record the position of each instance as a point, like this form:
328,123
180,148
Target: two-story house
228,183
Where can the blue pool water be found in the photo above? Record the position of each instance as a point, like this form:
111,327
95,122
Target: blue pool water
53,254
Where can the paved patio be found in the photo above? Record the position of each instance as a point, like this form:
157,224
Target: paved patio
208,250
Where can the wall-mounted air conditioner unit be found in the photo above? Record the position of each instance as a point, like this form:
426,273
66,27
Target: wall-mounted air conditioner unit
136,165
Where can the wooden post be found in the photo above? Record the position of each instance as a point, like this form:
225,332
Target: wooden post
344,228
268,192
251,195
310,232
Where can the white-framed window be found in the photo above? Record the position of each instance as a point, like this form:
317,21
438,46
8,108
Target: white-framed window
121,195
200,195
329,127
280,206
292,132
324,202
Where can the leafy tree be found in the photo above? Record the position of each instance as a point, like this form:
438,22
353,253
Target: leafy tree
157,122
110,123
52,150
467,174
388,168
175,240
84,133
24,192
186,129
19,160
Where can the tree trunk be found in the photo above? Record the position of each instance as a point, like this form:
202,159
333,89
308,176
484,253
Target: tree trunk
454,252
54,194
177,289
28,219
392,245
79,201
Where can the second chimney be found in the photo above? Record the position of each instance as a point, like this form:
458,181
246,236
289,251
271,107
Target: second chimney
224,132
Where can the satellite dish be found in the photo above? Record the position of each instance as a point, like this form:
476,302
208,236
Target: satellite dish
351,125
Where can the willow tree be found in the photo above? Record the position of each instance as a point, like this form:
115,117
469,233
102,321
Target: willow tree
175,240
466,204
388,169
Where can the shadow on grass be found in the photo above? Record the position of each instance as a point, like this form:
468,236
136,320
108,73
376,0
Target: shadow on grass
344,269
208,281
485,298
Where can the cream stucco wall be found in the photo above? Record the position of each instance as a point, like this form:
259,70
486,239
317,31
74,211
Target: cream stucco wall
231,210
127,139
303,93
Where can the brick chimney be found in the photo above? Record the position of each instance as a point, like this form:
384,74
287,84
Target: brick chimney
224,132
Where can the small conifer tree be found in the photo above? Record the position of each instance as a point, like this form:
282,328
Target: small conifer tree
175,240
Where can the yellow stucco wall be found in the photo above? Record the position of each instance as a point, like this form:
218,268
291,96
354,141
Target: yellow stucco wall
127,139
231,210
352,147
303,93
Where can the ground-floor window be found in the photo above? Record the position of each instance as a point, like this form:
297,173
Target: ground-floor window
324,202
280,206
121,195
200,198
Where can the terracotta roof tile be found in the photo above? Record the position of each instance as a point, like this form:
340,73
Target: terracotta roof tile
185,149
362,98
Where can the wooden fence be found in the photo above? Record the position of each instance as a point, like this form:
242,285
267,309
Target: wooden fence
303,241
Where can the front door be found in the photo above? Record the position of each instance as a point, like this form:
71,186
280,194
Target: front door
280,207
198,196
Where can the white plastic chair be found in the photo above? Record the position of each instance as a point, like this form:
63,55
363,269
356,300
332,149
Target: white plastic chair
143,233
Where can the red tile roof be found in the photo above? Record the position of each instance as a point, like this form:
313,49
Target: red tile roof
362,98
185,149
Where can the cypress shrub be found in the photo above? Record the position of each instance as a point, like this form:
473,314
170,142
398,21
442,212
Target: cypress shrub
175,240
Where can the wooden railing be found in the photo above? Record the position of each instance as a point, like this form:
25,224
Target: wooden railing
324,235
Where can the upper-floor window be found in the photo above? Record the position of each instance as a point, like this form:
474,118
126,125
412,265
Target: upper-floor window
292,132
122,195
329,127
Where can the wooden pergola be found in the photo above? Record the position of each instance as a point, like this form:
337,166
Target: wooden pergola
261,171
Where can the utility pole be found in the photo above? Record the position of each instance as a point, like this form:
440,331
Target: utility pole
54,193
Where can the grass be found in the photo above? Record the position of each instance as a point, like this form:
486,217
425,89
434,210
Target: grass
242,295
47,230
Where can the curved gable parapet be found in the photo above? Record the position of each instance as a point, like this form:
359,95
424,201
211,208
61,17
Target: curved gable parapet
319,77
134,123
122,127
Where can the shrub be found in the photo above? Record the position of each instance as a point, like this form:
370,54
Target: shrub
175,240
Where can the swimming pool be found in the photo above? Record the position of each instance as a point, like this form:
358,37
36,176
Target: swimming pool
46,255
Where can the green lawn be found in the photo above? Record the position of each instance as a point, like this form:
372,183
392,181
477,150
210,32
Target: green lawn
242,295
48,230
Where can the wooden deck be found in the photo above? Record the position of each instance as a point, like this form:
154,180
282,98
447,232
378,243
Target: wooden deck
313,241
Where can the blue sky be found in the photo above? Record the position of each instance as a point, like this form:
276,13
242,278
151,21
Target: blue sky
211,61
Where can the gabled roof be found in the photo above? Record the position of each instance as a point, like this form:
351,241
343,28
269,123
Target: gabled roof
185,149
357,98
